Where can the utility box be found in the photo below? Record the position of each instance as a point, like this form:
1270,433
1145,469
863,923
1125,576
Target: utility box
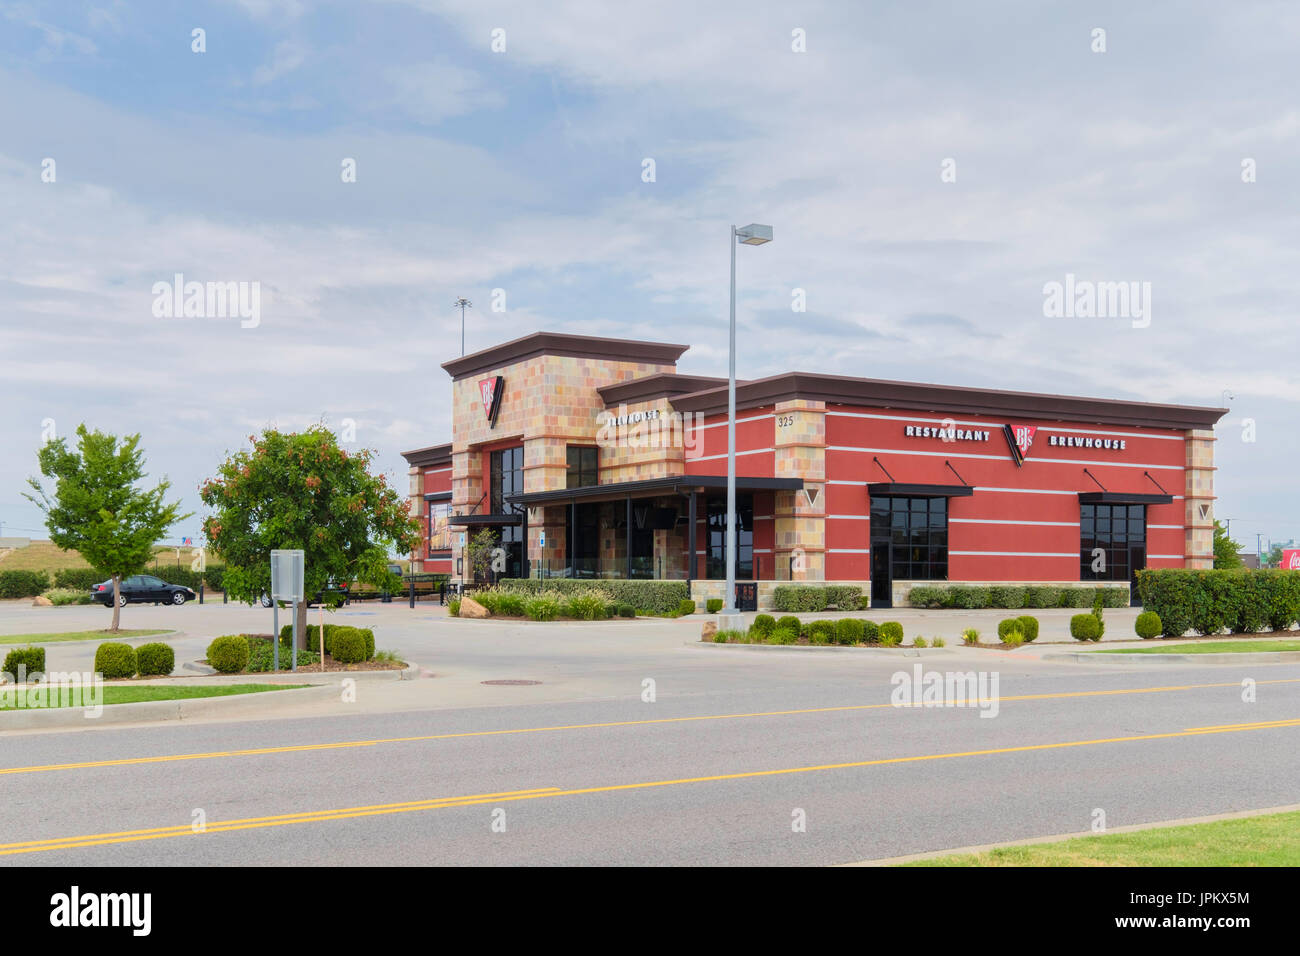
287,575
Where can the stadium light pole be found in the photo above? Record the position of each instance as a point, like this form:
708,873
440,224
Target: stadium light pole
752,235
462,303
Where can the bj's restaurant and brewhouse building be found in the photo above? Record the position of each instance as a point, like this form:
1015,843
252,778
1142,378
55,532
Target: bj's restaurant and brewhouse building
593,458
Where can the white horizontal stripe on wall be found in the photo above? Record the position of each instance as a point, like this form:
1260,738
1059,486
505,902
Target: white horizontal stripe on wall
1033,461
437,471
752,451
1018,554
763,517
848,550
762,550
1042,491
850,517
1055,524
1166,527
958,421
1167,557
739,421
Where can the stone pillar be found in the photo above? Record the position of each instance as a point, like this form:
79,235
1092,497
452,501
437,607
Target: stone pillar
800,516
1199,499
417,510
467,489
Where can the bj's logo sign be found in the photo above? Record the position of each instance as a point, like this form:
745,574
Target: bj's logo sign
490,390
1019,438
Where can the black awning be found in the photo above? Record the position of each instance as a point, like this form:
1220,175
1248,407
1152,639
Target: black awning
477,520
438,496
671,484
902,489
1122,498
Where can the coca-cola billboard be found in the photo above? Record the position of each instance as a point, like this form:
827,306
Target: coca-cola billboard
1290,559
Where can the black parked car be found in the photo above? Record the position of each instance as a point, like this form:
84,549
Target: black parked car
334,595
142,589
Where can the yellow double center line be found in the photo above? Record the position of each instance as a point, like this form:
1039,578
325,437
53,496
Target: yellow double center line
346,744
443,803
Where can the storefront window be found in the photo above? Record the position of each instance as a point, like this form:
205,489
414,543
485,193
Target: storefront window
716,561
914,531
583,467
507,478
1112,541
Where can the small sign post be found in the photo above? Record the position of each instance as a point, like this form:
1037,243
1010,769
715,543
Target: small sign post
286,585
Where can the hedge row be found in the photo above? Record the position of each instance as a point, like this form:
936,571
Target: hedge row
1241,601
22,584
343,643
816,597
31,659
1013,596
657,597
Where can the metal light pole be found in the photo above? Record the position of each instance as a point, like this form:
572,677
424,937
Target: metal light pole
462,303
751,235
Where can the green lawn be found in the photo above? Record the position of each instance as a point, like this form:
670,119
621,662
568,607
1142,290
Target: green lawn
81,636
1269,840
120,694
1211,647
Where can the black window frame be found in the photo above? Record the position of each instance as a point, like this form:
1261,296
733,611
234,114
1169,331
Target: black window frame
915,530
1114,529
584,466
715,553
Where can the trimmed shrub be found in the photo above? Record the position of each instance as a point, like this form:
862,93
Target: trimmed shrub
1040,596
1028,626
21,584
1147,625
1007,596
713,605
799,597
849,631
1076,597
925,595
685,606
968,597
228,654
845,597
1116,596
764,624
543,607
626,610
114,659
261,658
349,646
1007,625
1097,613
654,597
871,632
821,632
155,660
891,632
32,659
1085,627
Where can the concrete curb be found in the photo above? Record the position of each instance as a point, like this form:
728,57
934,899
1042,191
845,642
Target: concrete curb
1128,660
1062,837
882,651
150,711
409,672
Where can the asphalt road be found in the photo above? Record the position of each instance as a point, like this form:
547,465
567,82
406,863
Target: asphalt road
736,746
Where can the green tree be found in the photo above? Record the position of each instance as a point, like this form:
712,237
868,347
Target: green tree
1273,557
483,553
303,491
1226,551
96,507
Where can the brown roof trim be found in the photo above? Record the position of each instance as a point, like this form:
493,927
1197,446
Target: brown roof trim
433,455
948,399
562,343
659,385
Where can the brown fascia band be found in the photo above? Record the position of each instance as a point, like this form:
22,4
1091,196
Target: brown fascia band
560,343
947,400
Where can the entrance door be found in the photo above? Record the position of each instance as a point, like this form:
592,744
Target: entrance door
882,591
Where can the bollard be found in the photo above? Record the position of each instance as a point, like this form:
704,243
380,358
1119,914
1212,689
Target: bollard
200,592
412,592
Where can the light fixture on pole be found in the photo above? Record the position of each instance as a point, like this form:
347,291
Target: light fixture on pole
752,235
462,303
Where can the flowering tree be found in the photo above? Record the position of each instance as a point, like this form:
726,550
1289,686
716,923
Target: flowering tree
304,491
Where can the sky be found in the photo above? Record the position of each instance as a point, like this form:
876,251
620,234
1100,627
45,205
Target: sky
928,169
